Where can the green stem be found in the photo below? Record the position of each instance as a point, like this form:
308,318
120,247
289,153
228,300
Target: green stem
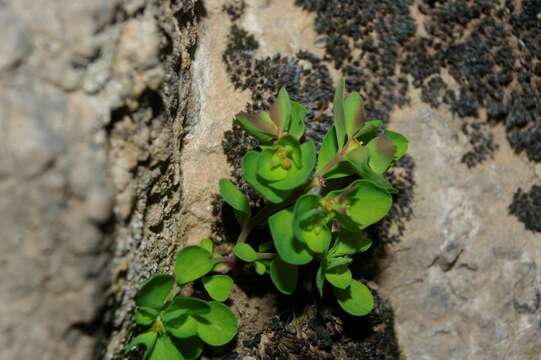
266,256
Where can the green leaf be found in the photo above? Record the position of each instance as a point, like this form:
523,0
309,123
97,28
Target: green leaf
298,176
182,305
184,326
266,167
154,291
260,268
356,299
381,151
288,247
259,126
327,152
310,223
369,204
249,169
284,276
265,247
320,280
400,142
165,349
358,159
147,339
333,262
338,114
353,113
296,126
368,131
145,315
339,276
349,243
245,252
207,244
218,286
191,348
281,110
236,199
219,326
192,263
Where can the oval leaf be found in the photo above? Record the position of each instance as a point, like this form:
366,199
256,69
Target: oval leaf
369,203
182,305
192,262
381,153
353,113
191,348
298,176
288,247
217,327
235,198
400,142
349,243
284,276
154,291
245,252
207,244
184,326
357,299
249,170
296,126
339,276
145,316
218,286
147,339
165,349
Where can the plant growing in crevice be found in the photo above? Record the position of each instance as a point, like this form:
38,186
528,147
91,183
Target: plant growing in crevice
317,207
317,204
176,327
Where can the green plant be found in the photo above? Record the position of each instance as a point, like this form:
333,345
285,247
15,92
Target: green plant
317,208
311,214
176,327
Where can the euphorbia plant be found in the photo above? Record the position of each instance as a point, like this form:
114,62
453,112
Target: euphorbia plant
310,219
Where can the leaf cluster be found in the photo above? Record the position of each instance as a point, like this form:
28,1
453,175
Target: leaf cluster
176,327
310,215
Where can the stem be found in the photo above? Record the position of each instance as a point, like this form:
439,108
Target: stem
266,256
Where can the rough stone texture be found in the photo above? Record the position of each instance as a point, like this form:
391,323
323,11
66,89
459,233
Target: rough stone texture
464,280
93,95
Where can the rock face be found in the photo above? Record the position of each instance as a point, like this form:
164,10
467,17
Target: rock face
93,96
464,280
112,118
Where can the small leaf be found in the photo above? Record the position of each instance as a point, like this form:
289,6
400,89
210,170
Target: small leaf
353,113
281,110
288,247
369,204
338,114
339,276
249,170
298,176
154,291
400,143
265,247
259,126
145,315
356,299
192,263
296,126
218,286
236,199
266,168
349,243
333,262
245,252
182,305
327,152
219,326
184,326
207,244
310,223
284,276
165,349
147,339
320,280
260,268
368,131
191,348
381,153
358,159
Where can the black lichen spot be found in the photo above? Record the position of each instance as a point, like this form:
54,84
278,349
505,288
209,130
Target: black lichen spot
234,8
526,206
